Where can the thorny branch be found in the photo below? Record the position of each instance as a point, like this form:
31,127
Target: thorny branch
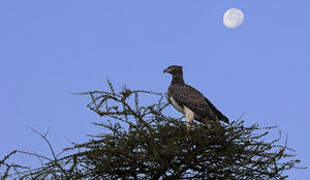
144,143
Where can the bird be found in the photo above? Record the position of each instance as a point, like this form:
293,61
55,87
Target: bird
189,101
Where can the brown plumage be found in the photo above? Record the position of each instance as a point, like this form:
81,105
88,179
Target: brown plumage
190,101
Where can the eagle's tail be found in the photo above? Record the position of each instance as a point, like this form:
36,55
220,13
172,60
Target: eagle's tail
223,117
218,114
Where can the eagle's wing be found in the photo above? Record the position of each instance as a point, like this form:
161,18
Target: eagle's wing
218,113
191,98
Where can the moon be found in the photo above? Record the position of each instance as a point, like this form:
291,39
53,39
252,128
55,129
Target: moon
233,18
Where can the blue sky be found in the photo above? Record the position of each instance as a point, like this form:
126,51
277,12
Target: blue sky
50,49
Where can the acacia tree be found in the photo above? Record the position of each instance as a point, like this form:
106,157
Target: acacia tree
141,142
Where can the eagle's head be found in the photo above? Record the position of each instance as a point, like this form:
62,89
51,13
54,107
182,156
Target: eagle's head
173,69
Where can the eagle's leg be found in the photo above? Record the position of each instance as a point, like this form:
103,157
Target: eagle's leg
189,114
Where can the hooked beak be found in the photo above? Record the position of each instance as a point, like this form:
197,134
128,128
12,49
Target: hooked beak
166,71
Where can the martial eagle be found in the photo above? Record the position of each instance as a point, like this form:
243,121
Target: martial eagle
190,101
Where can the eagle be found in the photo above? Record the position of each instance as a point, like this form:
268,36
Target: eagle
190,101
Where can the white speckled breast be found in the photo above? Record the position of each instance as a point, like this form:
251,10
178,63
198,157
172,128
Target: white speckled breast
176,105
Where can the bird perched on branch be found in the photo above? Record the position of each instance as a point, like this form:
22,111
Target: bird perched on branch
190,101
